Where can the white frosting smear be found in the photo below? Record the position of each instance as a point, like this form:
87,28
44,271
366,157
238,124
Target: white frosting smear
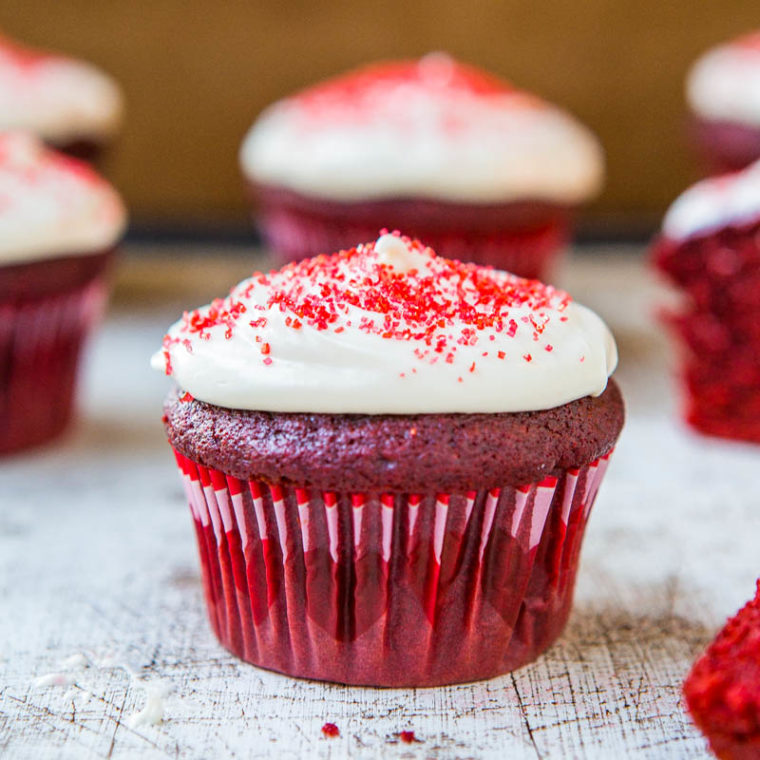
51,205
714,203
724,83
57,98
389,328
432,128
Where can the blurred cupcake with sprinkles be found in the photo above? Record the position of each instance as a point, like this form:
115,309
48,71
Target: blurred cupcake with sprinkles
450,154
70,104
59,223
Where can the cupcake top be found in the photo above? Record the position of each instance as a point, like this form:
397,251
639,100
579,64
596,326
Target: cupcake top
52,205
389,328
60,99
431,128
724,83
709,205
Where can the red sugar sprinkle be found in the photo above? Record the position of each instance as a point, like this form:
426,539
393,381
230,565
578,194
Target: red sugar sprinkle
186,397
527,357
267,361
439,305
472,367
548,347
407,737
330,730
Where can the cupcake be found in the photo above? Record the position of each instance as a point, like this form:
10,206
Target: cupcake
58,225
456,157
722,690
710,249
390,458
723,93
71,105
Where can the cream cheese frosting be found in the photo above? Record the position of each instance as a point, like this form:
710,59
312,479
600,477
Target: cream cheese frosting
713,203
389,327
51,205
724,83
433,128
60,99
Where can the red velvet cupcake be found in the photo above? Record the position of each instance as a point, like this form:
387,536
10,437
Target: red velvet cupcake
71,105
390,458
453,156
722,690
710,248
58,225
723,91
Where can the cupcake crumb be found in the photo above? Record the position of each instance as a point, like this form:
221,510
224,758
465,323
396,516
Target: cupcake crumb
330,730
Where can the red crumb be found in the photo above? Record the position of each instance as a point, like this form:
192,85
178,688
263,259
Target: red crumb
330,730
407,737
722,690
186,397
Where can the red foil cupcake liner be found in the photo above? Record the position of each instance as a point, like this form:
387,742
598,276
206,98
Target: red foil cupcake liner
523,237
389,589
40,344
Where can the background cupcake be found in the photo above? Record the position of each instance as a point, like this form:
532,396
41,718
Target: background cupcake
70,104
390,459
723,91
710,248
58,224
450,154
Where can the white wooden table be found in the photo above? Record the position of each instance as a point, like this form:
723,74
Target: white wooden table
101,609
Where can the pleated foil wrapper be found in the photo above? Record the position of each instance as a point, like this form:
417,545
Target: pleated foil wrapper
40,346
389,589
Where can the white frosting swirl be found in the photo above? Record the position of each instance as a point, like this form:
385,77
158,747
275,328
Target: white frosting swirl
724,83
713,203
433,129
60,99
52,205
389,328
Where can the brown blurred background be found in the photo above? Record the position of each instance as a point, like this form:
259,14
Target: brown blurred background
197,72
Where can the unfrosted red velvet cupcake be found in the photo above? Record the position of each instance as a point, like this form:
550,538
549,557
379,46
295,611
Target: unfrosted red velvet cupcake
722,690
461,160
390,458
72,105
59,223
710,249
723,92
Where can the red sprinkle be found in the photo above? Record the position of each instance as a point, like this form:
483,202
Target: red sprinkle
186,397
420,306
407,737
330,730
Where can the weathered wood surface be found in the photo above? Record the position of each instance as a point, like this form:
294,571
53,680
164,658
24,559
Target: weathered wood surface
97,558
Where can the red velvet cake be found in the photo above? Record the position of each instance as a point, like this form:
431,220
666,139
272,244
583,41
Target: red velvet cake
58,225
71,105
723,90
390,458
453,156
722,690
710,249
